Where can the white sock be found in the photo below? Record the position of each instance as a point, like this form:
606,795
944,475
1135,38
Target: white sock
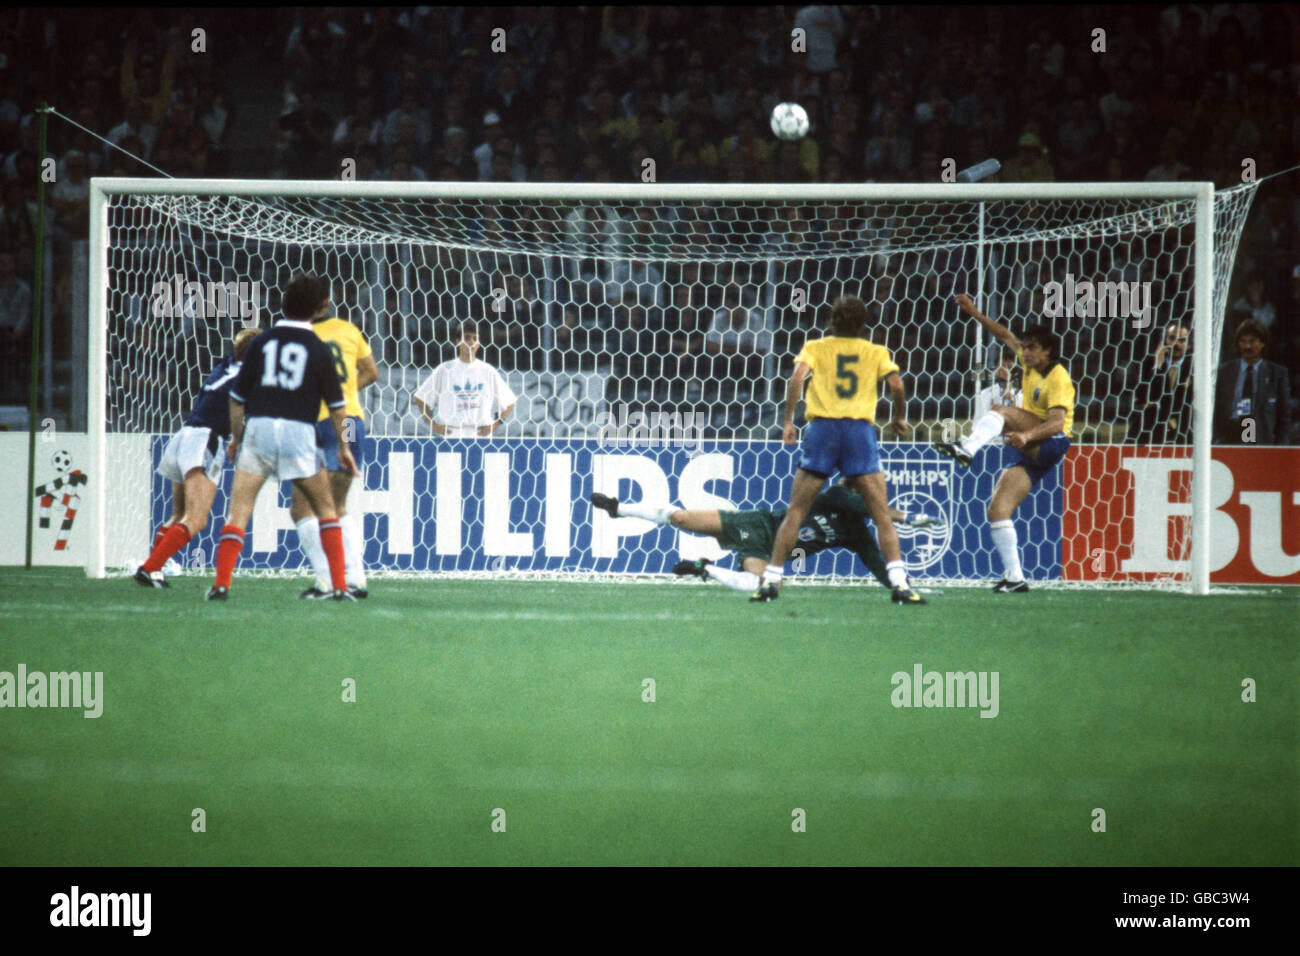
658,514
772,574
309,540
1004,539
986,428
353,548
736,580
897,572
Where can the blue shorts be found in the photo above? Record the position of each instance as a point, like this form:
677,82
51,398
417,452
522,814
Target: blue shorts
844,444
327,447
1051,451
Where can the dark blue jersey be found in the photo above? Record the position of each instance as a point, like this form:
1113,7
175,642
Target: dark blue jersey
287,373
212,407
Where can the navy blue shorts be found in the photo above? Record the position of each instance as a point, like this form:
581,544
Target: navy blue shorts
844,444
1050,451
327,447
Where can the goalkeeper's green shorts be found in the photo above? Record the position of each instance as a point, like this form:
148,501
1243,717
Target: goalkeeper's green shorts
750,534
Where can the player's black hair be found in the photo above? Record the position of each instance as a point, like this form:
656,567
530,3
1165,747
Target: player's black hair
1046,338
1251,327
467,325
304,296
849,317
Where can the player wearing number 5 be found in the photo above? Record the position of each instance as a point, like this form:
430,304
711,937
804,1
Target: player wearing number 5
1038,432
287,373
845,369
355,365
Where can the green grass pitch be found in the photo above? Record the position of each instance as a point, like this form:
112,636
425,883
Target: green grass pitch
528,697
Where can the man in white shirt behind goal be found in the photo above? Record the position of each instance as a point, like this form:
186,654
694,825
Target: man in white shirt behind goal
465,397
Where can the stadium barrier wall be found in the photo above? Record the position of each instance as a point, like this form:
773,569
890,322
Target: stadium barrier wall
509,505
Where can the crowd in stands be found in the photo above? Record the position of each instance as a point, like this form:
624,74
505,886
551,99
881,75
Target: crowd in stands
587,94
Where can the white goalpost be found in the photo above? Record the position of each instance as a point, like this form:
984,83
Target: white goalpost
649,329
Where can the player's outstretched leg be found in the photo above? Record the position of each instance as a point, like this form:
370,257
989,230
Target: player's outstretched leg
606,504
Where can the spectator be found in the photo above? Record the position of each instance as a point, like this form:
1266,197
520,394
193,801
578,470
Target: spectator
623,33
213,116
306,133
465,397
1169,169
1164,415
1120,101
1080,138
1252,401
508,99
456,156
824,28
493,134
136,124
1255,305
889,155
71,197
1031,164
362,127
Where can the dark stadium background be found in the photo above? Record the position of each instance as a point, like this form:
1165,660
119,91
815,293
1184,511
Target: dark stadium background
586,93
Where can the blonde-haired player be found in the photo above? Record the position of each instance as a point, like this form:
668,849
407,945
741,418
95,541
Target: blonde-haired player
192,461
846,369
355,364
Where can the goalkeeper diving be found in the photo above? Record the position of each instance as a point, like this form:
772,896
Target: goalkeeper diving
837,519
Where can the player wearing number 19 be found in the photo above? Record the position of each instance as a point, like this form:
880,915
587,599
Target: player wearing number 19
287,373
846,369
355,365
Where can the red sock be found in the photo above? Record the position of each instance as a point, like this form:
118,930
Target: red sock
165,545
331,539
232,542
162,530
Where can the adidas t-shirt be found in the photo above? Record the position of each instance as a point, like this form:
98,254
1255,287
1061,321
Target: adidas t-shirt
465,395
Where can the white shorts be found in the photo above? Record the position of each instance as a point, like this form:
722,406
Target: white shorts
278,448
188,449
462,431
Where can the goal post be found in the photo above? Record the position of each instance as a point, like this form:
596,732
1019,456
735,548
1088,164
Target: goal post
648,329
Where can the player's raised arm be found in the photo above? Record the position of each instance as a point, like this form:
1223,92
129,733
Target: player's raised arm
999,331
793,393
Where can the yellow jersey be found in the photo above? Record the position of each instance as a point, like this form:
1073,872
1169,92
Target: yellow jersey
1041,392
348,346
846,377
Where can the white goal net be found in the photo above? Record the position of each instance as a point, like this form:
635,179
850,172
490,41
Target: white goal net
649,332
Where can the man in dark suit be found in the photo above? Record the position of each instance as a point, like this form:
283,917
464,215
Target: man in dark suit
1165,415
1252,398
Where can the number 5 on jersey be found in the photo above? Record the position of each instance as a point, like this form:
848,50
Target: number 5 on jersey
843,372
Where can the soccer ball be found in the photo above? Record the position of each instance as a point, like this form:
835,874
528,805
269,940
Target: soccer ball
789,121
62,462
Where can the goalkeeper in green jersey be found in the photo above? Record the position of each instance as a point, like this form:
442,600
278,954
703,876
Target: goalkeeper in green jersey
837,519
